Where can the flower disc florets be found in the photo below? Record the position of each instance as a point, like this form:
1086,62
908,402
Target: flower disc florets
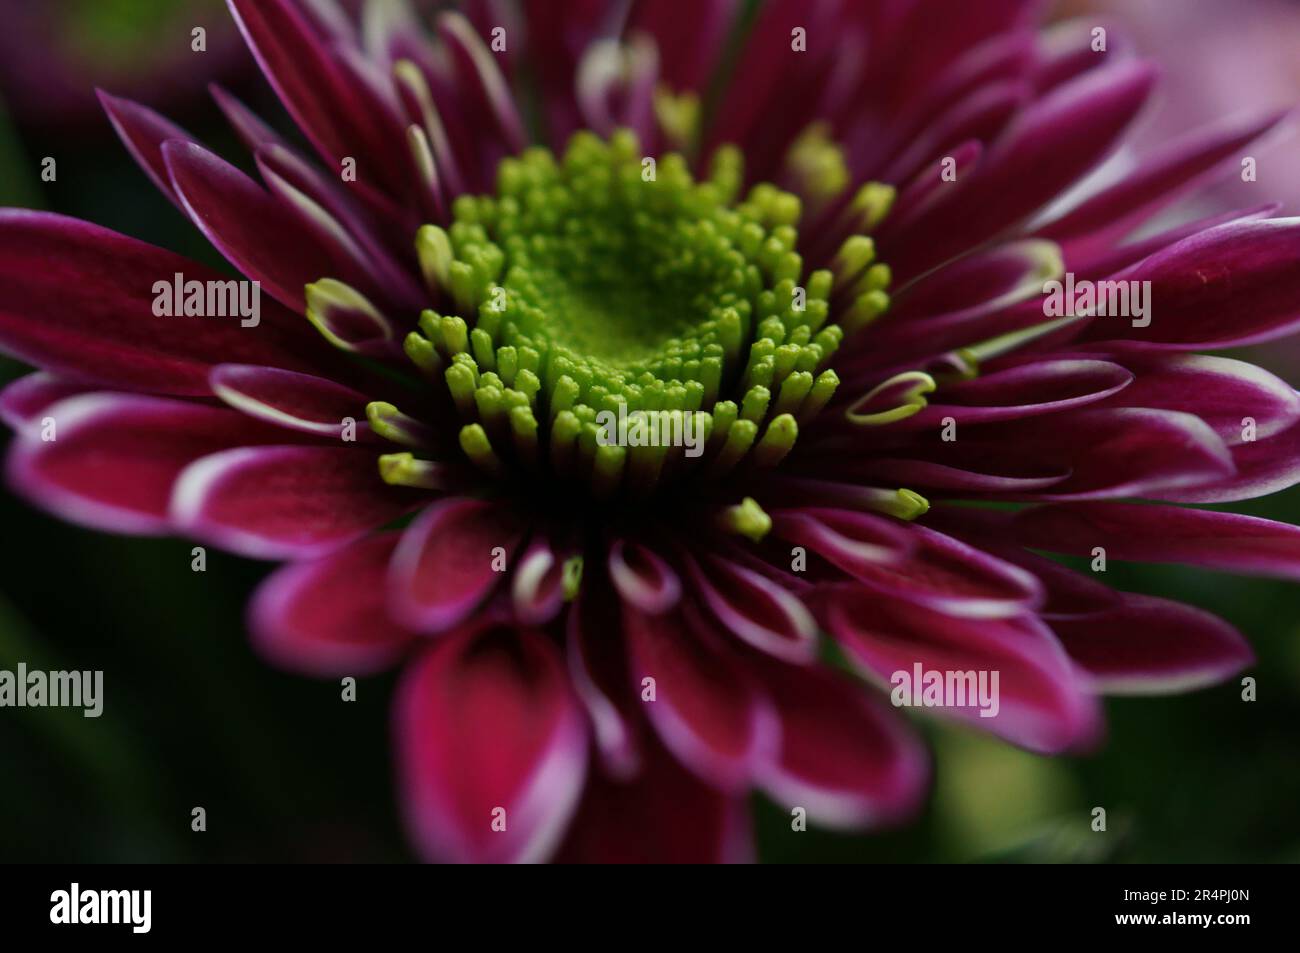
610,284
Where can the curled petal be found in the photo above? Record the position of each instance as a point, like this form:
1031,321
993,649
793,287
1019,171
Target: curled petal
1027,390
295,57
537,586
848,539
642,577
479,64
971,477
755,609
1051,144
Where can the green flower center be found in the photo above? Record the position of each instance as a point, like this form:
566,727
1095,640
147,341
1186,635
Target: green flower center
609,319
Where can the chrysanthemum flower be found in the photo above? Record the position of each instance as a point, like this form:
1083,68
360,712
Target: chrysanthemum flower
837,257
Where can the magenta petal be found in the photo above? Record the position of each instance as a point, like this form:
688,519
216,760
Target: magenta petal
705,710
1225,541
537,585
962,303
851,540
926,194
1069,593
79,299
1228,286
1028,390
844,757
1050,145
252,131
328,616
1260,467
354,240
771,89
970,478
1152,646
1066,592
297,64
246,224
1103,218
689,46
755,609
931,569
598,670
492,747
1111,452
1222,392
1042,702
286,502
975,284
450,560
288,399
642,577
1111,258
478,64
22,400
979,115
1064,51
1005,56
640,822
143,132
115,457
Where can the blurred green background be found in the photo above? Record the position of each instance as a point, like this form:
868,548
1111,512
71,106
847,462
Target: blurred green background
287,771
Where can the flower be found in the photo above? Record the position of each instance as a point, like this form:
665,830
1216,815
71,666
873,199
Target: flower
822,233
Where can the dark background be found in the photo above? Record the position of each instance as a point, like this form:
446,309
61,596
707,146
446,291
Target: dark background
287,771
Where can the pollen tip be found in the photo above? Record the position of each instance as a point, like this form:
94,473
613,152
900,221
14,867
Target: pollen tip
572,577
911,504
474,441
747,519
391,424
872,204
